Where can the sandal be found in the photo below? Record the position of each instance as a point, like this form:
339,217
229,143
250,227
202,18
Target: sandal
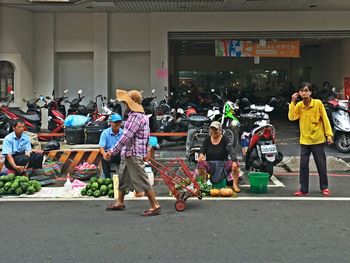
326,192
153,212
236,189
112,207
299,193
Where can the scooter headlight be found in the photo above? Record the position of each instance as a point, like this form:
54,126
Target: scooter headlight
337,122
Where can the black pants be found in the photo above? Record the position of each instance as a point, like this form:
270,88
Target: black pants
35,160
319,155
106,165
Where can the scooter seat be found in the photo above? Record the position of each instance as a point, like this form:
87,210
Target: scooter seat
22,114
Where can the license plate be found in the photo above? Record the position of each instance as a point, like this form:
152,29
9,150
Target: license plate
196,156
148,169
270,148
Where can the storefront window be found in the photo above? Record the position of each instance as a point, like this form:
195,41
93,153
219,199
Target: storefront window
258,85
6,79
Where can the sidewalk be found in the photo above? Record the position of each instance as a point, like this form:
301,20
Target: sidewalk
290,162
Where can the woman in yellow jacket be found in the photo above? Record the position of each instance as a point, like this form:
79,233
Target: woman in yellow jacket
315,130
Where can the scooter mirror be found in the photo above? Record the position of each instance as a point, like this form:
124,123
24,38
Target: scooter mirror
105,98
172,93
273,102
65,91
153,90
48,97
24,100
212,90
245,100
80,91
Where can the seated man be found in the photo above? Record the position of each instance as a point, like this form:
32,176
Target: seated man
213,157
108,139
17,150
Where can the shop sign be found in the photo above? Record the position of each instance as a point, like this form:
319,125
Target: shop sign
161,73
242,48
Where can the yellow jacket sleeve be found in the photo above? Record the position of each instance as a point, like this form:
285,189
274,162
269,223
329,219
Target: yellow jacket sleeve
294,111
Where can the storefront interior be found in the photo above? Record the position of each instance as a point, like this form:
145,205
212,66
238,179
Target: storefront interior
196,71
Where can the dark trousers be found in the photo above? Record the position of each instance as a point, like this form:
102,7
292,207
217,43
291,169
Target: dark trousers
319,155
35,160
106,165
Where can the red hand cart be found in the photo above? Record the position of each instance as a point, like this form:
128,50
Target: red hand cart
182,183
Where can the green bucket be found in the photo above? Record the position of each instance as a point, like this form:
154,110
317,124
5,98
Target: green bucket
219,185
258,182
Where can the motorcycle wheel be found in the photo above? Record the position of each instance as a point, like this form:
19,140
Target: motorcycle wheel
342,142
269,169
232,134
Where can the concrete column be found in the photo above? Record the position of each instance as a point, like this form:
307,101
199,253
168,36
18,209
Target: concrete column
100,54
44,54
44,57
159,55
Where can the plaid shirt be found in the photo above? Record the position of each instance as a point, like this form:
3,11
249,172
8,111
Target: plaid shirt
135,136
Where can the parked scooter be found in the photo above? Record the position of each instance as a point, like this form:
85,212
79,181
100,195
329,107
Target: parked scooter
174,122
33,107
5,125
262,153
149,105
93,111
56,112
32,121
75,107
198,130
339,115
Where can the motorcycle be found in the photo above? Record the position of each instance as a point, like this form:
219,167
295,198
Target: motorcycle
339,115
32,121
174,122
93,112
75,107
198,130
262,153
56,112
227,117
149,105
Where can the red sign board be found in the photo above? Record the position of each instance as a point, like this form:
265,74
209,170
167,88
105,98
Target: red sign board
347,87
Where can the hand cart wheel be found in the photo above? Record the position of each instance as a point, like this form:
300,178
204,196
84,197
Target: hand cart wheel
180,205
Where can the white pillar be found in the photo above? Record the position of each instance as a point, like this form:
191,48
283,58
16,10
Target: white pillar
44,57
101,54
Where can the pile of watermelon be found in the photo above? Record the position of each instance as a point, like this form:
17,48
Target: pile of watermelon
98,187
11,184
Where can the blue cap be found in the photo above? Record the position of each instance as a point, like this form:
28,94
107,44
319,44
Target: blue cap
116,117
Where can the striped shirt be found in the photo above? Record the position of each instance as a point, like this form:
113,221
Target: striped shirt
135,136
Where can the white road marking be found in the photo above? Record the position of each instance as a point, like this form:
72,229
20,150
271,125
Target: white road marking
277,182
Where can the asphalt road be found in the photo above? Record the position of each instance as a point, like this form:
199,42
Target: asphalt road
208,231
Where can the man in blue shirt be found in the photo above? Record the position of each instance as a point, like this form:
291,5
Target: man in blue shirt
17,150
108,139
